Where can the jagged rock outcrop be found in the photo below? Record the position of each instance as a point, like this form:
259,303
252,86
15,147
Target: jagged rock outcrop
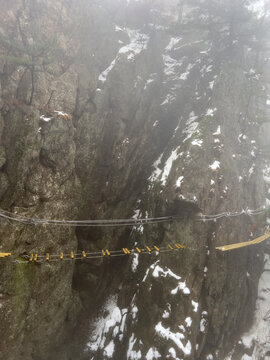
120,109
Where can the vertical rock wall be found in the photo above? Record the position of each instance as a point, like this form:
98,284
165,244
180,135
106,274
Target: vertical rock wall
114,110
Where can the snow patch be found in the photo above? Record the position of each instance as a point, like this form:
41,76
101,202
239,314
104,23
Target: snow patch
109,349
136,214
191,127
197,142
103,76
257,7
132,354
215,165
179,181
251,170
266,173
182,287
211,84
210,112
175,337
259,334
202,325
168,166
152,354
172,352
164,273
103,325
184,75
165,314
135,262
168,100
138,43
195,305
188,321
172,43
171,66
61,113
155,174
218,131
150,268
42,117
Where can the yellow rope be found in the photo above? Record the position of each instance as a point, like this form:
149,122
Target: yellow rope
258,240
3,255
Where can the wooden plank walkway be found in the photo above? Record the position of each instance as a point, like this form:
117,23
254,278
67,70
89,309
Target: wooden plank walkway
258,240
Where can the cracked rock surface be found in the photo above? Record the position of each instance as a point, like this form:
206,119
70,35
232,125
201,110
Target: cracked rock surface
120,109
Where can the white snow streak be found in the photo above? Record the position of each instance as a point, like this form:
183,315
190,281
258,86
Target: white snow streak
42,117
168,166
135,262
191,127
138,43
179,181
259,334
157,171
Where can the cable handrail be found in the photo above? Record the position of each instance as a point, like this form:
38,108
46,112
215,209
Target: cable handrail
124,222
100,222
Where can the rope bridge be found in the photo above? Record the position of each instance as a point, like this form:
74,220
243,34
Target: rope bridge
124,222
35,257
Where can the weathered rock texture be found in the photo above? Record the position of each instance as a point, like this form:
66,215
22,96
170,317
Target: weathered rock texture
115,108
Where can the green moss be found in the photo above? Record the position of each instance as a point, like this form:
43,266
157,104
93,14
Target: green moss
22,279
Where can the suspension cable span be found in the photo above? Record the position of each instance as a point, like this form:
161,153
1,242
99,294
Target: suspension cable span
111,222
248,212
124,222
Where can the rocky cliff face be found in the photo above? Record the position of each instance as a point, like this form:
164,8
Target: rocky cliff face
120,109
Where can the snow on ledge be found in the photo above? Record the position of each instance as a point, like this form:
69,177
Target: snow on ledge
152,354
164,273
215,165
138,43
175,337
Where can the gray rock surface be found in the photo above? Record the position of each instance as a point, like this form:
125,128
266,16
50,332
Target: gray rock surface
111,109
